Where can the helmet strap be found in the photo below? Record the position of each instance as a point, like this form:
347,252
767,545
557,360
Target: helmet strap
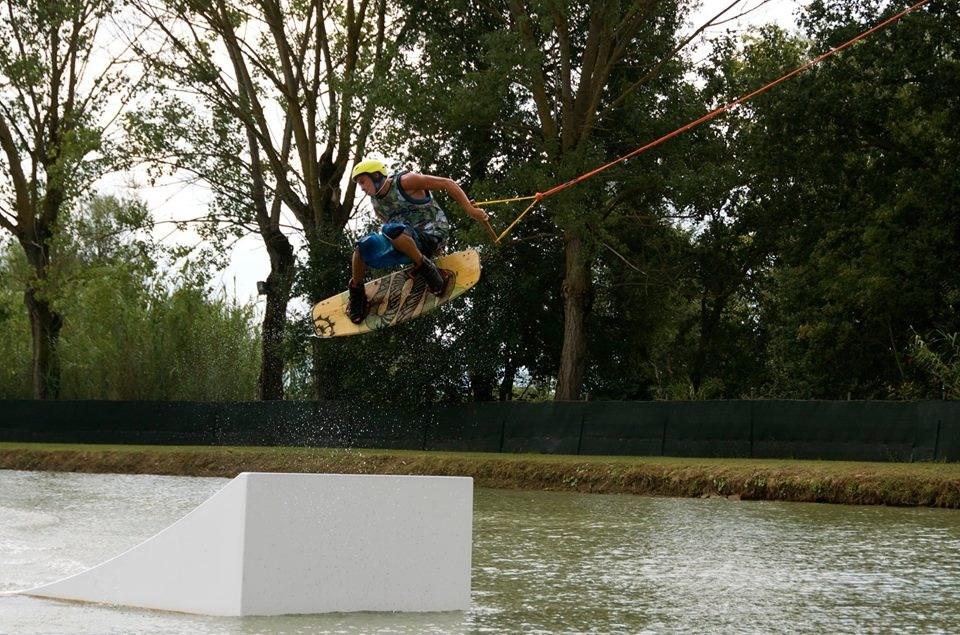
378,181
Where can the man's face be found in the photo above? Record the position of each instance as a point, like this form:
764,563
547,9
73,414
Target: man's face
366,184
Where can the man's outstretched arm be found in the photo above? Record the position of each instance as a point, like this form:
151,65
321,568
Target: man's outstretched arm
414,181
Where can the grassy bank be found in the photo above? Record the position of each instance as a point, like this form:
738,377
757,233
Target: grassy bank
913,484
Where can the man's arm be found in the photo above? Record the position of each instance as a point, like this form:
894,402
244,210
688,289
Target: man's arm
413,181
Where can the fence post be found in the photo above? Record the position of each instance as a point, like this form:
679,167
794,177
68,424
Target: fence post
580,439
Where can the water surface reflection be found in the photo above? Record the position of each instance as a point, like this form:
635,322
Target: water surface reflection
543,562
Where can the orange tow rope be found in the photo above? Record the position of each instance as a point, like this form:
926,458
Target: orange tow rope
693,124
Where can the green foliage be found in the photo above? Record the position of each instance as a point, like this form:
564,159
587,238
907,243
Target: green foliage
463,104
133,327
45,49
127,340
938,358
840,229
795,247
14,334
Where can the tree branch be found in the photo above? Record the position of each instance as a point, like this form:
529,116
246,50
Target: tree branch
7,221
548,126
366,118
20,186
304,146
566,87
616,103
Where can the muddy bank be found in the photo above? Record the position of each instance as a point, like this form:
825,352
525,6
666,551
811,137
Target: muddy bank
908,484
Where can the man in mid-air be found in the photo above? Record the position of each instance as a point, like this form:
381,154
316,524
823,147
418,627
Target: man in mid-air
414,230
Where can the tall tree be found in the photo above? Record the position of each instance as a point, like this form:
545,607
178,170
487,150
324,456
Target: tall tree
582,65
845,169
570,72
455,109
291,80
57,90
138,326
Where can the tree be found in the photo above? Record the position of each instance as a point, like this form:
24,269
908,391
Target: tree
454,112
15,376
570,76
135,325
287,87
849,166
55,100
583,66
938,358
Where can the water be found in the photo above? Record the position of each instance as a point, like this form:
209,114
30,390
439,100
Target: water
543,563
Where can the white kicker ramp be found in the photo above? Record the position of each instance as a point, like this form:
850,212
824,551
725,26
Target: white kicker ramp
274,544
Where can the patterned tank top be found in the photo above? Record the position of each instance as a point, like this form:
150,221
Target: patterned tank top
425,214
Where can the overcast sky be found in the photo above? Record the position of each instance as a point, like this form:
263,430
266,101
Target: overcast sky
249,262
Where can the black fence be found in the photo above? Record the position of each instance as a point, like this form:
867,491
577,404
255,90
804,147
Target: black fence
848,430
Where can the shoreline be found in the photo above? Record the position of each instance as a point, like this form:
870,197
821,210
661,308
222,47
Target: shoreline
922,484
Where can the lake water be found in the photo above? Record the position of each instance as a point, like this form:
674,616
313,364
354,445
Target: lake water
543,563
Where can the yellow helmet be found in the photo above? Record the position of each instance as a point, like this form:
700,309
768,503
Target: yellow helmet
369,166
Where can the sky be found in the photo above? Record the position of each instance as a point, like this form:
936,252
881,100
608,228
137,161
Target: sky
781,12
172,199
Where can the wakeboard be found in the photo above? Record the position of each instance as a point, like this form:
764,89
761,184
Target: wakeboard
398,297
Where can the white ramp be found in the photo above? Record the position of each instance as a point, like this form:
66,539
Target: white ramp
274,544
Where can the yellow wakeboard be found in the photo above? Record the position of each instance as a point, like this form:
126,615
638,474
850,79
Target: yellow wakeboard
397,297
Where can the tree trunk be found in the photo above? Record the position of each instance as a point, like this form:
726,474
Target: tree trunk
509,375
577,295
481,385
328,271
45,325
709,327
328,370
700,355
279,283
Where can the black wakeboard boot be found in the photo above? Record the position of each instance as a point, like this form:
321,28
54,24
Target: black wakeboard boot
358,306
437,280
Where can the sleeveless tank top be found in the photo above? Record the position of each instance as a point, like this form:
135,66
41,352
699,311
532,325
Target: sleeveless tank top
425,214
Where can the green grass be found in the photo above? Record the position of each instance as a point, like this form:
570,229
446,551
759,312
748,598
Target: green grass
854,482
833,467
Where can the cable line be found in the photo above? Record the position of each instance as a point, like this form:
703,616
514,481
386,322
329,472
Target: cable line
539,196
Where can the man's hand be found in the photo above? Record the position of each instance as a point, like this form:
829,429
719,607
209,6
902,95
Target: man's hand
481,216
477,213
